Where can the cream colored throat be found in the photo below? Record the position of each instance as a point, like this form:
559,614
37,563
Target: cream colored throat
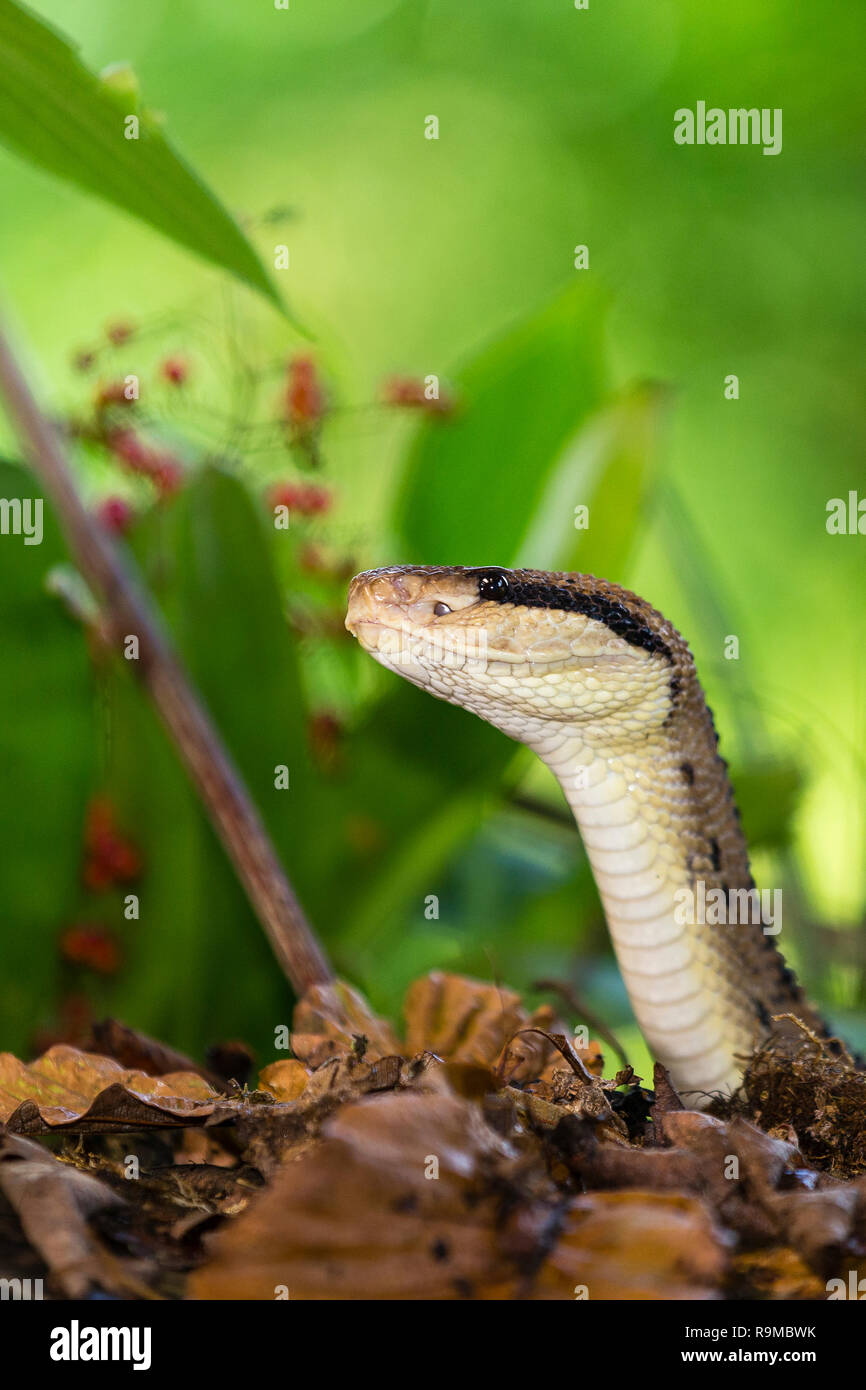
683,978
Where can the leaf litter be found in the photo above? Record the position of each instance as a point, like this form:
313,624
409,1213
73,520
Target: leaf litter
482,1156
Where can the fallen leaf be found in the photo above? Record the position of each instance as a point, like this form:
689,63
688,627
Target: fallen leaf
66,1087
138,1052
286,1079
330,1019
460,1018
635,1245
53,1201
405,1196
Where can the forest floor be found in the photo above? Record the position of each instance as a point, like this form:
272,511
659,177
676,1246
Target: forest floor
480,1156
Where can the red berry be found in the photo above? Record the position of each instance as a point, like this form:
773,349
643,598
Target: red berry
308,499
111,393
304,399
167,475
99,820
163,470
116,515
119,333
90,946
325,733
109,856
411,391
97,876
316,500
130,449
311,559
174,370
281,495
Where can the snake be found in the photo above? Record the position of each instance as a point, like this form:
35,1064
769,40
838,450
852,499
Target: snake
601,687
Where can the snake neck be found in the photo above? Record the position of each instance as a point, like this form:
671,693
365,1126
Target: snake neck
695,941
604,689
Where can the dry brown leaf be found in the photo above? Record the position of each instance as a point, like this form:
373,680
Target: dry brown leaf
138,1052
666,1094
269,1135
635,1245
69,1088
53,1201
778,1273
361,1216
763,1160
530,1055
685,1128
460,1018
286,1080
821,1225
451,1016
63,1078
468,1021
345,1135
330,1019
621,1165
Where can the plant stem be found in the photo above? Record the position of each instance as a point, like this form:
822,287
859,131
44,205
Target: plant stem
127,611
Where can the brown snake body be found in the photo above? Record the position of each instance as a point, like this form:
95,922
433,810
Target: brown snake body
605,691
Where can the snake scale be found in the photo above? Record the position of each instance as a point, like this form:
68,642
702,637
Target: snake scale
605,691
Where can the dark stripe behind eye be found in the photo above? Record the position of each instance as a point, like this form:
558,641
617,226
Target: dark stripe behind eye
609,611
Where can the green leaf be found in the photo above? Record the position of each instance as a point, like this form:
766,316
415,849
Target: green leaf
421,775
47,760
58,115
473,482
161,986
768,794
230,624
196,966
206,559
609,468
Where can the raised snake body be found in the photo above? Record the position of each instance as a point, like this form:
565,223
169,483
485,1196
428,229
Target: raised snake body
605,691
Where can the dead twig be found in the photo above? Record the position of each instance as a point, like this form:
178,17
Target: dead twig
570,997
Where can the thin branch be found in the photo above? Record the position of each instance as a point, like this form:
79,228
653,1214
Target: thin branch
126,612
569,994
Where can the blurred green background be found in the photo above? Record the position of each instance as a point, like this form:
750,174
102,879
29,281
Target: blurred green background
602,386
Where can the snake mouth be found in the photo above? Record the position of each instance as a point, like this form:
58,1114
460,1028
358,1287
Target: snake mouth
396,642
417,651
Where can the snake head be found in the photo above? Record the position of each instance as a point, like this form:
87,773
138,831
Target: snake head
520,648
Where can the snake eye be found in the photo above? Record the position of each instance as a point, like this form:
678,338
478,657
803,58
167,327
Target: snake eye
493,584
440,609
